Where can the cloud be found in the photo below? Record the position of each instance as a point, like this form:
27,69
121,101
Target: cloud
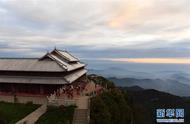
149,12
160,26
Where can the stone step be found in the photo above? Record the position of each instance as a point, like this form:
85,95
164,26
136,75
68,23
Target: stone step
80,116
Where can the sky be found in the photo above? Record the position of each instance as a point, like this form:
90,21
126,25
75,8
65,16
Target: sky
127,31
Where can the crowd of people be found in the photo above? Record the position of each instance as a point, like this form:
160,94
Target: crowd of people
75,90
71,90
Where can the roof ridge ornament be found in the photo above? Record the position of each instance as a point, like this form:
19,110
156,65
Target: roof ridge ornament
55,48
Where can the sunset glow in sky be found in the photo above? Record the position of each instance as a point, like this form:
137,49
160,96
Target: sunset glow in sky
152,60
146,31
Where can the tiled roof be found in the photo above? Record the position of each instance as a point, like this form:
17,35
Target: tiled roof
72,68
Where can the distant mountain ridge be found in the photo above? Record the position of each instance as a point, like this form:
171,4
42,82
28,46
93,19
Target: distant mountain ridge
123,73
132,88
174,82
168,85
119,73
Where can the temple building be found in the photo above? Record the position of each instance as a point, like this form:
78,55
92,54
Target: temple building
32,79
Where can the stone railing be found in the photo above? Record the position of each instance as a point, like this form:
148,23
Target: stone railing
65,102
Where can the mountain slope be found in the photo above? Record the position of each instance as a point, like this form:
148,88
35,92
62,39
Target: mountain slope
132,105
145,102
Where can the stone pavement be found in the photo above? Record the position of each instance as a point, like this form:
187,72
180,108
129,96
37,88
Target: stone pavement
80,116
82,102
82,113
34,116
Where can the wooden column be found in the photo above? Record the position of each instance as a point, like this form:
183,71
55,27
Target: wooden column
41,90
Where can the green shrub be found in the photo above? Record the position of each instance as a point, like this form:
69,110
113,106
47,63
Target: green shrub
57,115
110,108
10,113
